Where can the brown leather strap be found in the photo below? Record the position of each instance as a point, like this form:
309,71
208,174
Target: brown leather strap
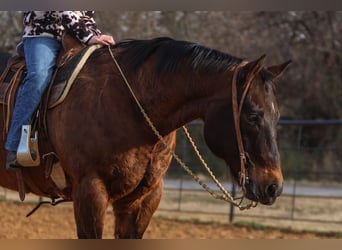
237,107
21,184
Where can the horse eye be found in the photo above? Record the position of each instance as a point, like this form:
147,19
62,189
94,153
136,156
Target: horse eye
253,118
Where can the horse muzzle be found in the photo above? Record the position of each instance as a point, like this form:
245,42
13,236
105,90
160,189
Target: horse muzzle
264,186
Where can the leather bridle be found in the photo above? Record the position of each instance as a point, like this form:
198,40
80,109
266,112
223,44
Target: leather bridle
237,107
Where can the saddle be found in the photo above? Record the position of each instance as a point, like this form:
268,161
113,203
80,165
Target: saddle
70,61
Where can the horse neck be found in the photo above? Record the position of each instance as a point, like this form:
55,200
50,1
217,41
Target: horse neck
186,97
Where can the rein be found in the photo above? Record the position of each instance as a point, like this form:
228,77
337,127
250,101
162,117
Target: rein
225,195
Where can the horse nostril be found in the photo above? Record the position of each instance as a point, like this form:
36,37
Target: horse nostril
271,190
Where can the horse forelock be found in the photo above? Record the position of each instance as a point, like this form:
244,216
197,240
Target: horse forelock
172,54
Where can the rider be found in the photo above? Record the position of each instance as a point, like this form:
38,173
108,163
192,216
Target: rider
42,42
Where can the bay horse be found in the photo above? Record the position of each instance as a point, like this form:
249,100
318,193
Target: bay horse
110,155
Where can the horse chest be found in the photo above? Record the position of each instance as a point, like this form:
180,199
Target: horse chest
139,169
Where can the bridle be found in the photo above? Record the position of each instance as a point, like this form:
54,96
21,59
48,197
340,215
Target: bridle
237,107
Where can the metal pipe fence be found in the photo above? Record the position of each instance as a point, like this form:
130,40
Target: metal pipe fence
311,153
312,170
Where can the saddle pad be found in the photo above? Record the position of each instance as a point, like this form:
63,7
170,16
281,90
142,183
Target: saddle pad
66,75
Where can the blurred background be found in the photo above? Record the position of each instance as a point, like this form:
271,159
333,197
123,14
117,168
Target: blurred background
309,97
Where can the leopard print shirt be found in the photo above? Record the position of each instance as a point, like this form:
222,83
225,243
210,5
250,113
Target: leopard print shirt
80,24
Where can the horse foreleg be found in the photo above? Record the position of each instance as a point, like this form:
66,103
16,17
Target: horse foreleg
90,204
132,218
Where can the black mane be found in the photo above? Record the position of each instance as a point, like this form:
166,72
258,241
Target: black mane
171,53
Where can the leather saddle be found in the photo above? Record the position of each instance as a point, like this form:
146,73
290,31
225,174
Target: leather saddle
70,61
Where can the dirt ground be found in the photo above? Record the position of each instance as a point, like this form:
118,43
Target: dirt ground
58,223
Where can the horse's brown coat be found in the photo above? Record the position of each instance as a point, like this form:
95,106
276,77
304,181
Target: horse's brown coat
111,156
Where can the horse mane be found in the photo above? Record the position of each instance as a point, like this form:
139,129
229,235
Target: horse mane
172,53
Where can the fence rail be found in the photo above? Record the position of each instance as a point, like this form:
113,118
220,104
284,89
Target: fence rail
310,194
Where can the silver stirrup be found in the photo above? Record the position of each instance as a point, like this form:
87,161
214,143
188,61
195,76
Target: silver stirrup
28,153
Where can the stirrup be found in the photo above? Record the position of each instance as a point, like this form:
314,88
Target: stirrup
28,153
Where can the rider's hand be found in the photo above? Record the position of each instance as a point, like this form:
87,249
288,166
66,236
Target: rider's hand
102,39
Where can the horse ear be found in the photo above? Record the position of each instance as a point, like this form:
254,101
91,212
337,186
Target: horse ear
256,66
278,70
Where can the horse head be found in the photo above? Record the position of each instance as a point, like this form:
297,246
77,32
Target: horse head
254,158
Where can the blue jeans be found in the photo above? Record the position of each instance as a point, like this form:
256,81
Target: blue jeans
40,56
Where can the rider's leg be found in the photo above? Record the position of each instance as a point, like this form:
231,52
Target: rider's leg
40,56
